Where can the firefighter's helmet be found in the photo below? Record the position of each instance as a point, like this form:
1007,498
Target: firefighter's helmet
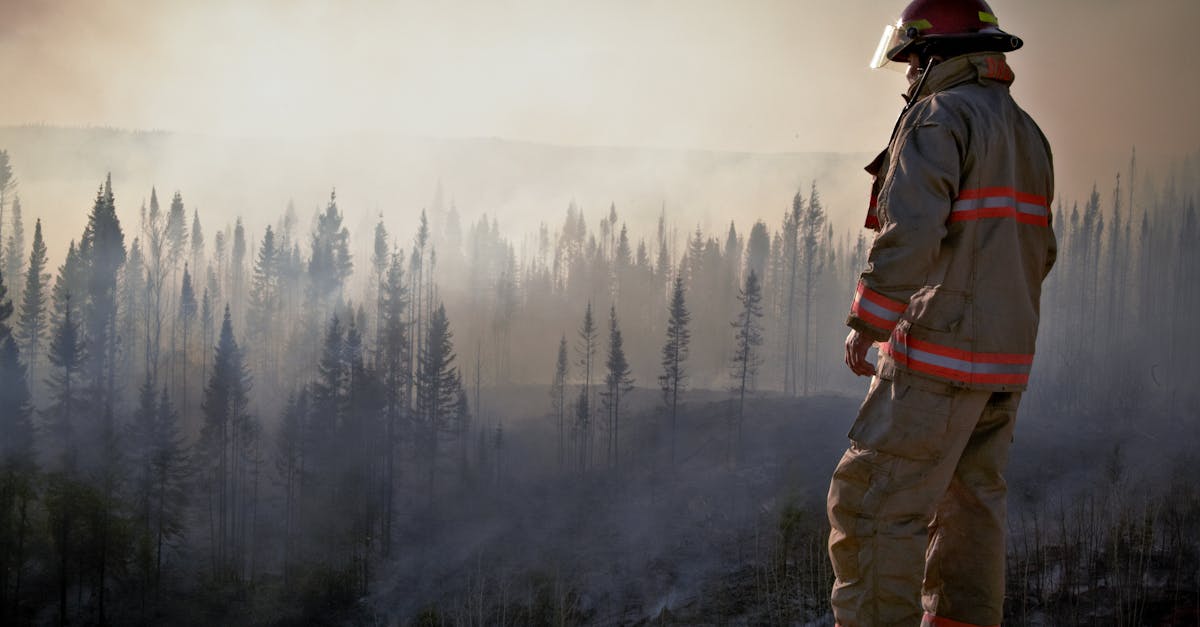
943,27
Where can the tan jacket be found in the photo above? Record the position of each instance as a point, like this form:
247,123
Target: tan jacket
962,197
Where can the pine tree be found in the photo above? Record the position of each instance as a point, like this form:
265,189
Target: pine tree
746,360
66,390
14,251
237,269
331,263
437,391
617,382
758,249
187,313
7,182
262,322
791,250
811,225
32,322
102,252
222,449
395,366
558,398
586,349
17,463
160,472
197,240
380,260
289,465
673,380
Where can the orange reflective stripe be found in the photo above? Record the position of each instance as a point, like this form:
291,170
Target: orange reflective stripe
875,308
956,364
1000,202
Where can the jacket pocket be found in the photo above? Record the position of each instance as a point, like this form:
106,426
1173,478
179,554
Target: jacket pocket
937,309
903,420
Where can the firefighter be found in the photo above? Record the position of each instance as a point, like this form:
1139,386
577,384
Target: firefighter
961,205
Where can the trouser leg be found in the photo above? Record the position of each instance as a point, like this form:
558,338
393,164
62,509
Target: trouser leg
905,446
964,572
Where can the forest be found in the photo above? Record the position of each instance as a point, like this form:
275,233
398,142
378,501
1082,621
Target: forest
577,425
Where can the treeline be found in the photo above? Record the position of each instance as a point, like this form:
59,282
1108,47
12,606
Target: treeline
182,407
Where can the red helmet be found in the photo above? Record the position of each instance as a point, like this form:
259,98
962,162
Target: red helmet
945,27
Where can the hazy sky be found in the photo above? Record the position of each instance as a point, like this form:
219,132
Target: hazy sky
747,75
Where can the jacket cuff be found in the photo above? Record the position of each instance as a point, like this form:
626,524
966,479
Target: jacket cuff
873,313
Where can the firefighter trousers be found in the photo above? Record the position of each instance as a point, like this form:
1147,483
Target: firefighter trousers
917,508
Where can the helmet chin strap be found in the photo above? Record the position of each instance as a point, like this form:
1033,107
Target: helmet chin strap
912,100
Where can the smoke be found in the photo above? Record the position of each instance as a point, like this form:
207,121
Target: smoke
775,76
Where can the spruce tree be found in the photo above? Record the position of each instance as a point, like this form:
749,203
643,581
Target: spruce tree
17,463
583,409
66,357
746,360
437,391
102,252
396,372
32,321
14,251
222,449
187,313
290,448
673,379
617,382
197,241
262,322
558,398
811,224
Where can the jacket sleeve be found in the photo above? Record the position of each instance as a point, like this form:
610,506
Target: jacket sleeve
916,198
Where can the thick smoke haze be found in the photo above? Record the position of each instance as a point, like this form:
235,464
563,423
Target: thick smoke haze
533,313
761,77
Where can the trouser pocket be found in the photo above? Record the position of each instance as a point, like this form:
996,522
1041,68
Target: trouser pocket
902,420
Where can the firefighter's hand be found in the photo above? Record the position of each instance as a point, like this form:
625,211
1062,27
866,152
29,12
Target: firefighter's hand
857,346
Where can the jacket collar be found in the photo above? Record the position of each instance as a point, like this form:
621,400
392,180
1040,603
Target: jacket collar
979,67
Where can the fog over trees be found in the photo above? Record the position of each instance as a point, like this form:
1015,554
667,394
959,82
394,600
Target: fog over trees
583,424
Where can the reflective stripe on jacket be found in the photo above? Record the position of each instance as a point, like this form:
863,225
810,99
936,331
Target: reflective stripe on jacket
962,198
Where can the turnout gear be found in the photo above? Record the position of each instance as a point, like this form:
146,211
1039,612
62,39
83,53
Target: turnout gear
961,202
944,27
962,199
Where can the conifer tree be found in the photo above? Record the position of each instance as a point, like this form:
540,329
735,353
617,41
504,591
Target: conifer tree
17,463
437,391
380,260
187,313
237,269
746,360
558,398
7,182
197,240
811,225
395,366
617,382
102,252
222,449
586,349
32,322
264,307
290,448
673,379
14,251
330,264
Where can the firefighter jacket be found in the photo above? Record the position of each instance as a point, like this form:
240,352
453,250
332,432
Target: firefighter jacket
962,202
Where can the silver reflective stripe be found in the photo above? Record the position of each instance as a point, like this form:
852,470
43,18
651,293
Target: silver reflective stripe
970,367
997,202
1037,210
886,314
